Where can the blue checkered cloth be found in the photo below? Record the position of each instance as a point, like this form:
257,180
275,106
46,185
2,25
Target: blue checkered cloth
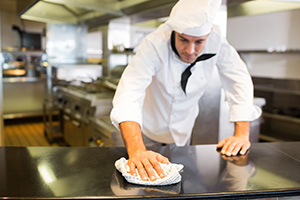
171,171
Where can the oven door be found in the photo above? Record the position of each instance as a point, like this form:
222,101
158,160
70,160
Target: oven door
68,128
103,134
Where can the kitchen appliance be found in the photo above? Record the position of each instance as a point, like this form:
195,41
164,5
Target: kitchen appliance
79,108
32,41
14,64
75,119
22,79
103,133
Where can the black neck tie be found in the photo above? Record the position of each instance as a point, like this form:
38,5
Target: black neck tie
187,72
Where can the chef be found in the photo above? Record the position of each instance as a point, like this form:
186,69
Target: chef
157,97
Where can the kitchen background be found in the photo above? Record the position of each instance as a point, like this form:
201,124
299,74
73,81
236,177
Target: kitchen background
61,61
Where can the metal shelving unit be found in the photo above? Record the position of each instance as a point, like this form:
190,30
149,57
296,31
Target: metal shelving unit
271,51
277,90
52,128
282,118
281,113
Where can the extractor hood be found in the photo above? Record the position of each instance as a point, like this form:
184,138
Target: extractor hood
95,12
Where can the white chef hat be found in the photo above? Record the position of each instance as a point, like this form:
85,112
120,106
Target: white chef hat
193,17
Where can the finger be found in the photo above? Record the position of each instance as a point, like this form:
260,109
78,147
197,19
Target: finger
225,147
221,143
149,169
236,149
142,171
230,149
132,168
244,148
227,158
157,167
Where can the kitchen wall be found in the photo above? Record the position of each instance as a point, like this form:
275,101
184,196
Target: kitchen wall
1,90
11,38
94,47
30,92
276,65
269,44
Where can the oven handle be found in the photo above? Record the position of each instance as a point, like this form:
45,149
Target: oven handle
76,123
66,117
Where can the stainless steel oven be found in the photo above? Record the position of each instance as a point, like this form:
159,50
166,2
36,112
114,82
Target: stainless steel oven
79,111
103,133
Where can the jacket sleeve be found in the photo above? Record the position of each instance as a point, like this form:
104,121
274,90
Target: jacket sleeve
130,94
237,84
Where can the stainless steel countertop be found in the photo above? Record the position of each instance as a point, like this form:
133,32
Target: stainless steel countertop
268,170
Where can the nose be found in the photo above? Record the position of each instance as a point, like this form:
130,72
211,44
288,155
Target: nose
190,49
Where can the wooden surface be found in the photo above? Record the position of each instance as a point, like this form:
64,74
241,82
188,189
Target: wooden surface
26,133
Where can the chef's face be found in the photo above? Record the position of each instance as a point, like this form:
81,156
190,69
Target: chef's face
189,47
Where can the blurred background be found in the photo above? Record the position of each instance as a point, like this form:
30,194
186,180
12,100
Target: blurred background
62,59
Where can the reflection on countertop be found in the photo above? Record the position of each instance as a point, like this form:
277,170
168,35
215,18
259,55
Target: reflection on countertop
268,170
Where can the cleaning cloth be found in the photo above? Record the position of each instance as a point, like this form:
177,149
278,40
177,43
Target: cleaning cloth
171,171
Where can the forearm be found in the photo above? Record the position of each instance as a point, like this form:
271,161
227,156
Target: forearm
242,129
139,157
132,136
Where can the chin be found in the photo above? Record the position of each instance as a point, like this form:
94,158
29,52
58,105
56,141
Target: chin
189,60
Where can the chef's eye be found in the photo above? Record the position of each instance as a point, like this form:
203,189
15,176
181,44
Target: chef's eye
199,42
183,40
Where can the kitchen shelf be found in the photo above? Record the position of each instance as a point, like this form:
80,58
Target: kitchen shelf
122,52
282,117
270,52
23,79
276,90
280,133
52,128
22,115
270,138
128,54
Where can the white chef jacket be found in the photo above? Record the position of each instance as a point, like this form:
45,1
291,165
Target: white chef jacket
150,93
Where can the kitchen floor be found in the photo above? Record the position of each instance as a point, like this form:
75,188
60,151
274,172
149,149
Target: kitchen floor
27,132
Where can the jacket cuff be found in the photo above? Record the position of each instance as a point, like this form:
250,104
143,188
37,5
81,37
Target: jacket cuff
244,113
128,112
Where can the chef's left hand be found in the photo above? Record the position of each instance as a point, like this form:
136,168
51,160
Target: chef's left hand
239,143
233,145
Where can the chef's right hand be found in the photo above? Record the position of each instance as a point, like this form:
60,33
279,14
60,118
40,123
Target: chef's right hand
146,162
